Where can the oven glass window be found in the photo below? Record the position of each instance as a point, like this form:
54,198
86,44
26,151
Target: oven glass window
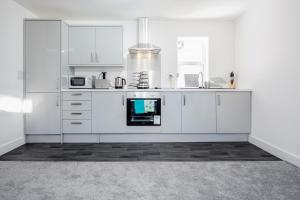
143,112
78,81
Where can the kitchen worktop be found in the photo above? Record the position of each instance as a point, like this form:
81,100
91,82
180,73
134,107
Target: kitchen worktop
158,90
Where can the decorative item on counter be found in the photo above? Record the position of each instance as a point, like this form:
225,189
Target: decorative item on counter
102,83
218,82
232,82
173,80
191,80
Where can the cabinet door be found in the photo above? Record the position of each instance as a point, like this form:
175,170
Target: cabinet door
81,45
198,112
109,45
171,112
42,56
108,112
233,112
45,116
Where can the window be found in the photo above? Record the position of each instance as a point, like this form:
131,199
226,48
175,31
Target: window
192,59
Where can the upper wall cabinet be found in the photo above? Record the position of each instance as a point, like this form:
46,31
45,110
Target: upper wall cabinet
96,46
42,55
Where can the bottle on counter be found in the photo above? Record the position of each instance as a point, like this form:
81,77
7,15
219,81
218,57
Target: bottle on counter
232,81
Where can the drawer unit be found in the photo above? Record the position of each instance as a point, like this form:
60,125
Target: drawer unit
77,126
79,114
77,105
75,96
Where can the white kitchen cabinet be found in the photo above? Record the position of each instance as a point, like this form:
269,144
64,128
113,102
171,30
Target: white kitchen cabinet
45,116
171,112
108,112
109,45
81,45
96,46
42,55
198,112
233,112
77,126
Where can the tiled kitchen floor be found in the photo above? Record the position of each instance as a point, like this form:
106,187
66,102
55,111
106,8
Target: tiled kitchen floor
234,151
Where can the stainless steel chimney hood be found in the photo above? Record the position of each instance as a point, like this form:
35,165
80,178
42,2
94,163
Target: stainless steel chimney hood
144,45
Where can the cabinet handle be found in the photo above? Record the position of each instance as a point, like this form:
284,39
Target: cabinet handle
92,57
76,123
96,55
76,94
123,100
76,113
76,104
164,100
184,103
219,100
57,100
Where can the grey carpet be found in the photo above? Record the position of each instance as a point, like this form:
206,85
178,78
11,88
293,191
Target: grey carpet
272,180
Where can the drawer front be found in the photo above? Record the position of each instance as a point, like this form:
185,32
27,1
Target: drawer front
77,126
77,105
77,114
75,96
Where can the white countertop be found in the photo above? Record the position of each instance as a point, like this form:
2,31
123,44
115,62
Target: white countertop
157,90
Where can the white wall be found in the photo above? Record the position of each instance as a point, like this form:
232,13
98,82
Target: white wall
11,88
267,60
165,33
221,44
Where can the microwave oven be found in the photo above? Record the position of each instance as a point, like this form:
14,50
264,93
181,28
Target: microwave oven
80,82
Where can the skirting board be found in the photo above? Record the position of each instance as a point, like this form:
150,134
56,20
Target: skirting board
119,138
147,137
43,138
4,148
276,151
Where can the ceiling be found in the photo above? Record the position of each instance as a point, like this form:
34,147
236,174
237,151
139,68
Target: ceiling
131,9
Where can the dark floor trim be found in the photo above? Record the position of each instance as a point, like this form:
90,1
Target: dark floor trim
208,151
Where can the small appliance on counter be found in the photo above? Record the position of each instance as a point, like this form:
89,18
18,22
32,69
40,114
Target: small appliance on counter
102,83
80,82
119,82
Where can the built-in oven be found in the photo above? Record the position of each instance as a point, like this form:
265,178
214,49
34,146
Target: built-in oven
143,109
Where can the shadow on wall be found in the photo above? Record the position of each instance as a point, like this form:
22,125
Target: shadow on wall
15,105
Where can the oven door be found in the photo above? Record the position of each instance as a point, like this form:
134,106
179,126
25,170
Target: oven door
143,111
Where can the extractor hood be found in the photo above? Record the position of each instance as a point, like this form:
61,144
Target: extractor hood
144,45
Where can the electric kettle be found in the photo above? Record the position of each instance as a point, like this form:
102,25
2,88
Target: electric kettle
119,82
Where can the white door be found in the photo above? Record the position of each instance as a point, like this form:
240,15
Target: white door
42,56
171,112
81,45
233,112
198,112
109,45
108,112
45,116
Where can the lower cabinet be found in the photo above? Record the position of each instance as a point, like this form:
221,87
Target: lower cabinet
233,112
198,112
45,115
108,112
171,112
77,126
